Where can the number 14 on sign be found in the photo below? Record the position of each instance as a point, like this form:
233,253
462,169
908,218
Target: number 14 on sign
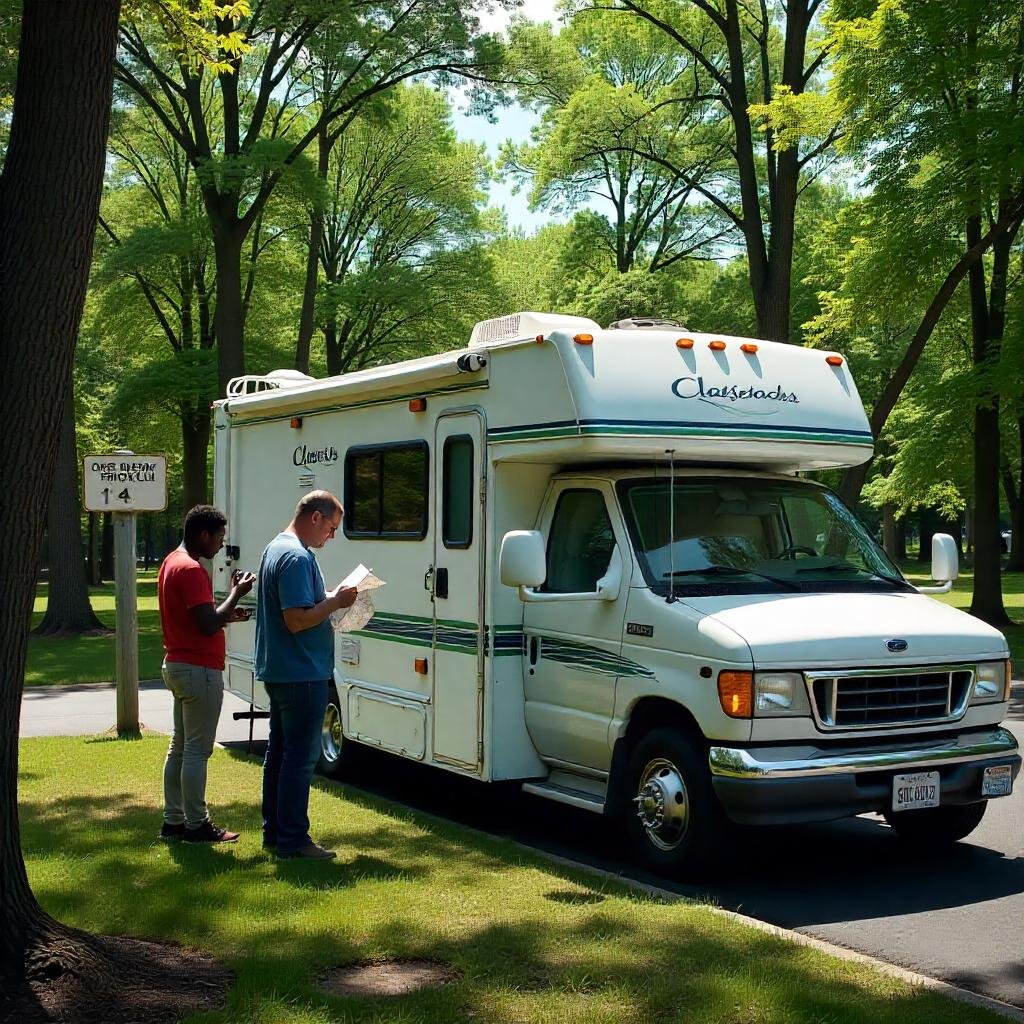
124,495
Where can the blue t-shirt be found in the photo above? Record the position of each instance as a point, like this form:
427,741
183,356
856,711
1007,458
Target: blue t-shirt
289,577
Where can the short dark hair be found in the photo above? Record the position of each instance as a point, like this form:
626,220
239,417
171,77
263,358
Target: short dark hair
203,517
317,501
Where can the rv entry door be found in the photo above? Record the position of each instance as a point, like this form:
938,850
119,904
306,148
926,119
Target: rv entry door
457,587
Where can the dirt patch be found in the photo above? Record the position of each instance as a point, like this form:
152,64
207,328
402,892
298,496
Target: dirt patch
387,978
106,979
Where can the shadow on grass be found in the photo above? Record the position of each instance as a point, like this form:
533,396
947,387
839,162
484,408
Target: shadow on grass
865,853
594,956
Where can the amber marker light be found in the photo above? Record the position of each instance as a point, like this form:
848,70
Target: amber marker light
716,346
583,339
420,665
539,339
735,692
834,360
749,349
418,405
296,422
684,343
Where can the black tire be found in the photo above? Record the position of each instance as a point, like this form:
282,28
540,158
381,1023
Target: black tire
671,815
337,752
937,825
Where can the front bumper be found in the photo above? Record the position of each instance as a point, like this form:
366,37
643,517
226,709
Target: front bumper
775,785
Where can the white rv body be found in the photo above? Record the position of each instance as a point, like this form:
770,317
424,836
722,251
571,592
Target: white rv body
457,670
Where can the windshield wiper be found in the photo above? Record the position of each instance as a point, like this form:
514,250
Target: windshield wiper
848,567
729,570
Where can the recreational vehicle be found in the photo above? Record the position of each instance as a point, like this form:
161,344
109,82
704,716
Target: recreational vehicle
607,578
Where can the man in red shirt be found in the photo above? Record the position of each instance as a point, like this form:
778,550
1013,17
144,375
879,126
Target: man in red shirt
193,670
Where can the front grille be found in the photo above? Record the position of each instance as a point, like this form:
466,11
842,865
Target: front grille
875,700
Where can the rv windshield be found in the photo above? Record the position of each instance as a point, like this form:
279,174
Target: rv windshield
744,535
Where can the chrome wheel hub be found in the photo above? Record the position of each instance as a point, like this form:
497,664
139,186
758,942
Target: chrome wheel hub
331,737
662,804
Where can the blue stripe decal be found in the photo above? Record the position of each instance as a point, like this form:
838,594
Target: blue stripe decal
563,424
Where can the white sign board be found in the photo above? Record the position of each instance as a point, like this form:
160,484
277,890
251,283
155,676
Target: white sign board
125,483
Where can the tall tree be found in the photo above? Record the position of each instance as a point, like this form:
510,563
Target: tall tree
762,61
258,137
49,195
630,126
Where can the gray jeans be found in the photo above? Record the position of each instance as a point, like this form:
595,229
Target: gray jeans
198,695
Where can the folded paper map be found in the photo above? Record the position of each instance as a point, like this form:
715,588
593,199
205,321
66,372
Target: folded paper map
358,614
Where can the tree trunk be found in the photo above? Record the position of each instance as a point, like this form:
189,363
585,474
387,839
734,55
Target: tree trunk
68,612
901,539
1016,559
889,530
195,437
229,316
49,199
316,230
987,325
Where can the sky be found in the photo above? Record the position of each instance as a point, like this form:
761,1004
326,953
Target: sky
512,123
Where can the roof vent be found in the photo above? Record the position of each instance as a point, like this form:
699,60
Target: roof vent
645,323
253,383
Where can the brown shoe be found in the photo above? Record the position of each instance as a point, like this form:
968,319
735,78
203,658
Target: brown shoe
311,851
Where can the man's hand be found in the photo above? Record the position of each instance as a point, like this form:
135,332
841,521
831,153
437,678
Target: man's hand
240,615
242,582
343,597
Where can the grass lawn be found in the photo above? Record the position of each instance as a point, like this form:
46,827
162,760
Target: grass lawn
531,942
90,659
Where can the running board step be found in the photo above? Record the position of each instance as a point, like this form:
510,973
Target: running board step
566,795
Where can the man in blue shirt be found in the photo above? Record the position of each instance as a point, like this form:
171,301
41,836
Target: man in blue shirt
295,661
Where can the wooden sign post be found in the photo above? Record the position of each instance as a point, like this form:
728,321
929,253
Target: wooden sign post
125,484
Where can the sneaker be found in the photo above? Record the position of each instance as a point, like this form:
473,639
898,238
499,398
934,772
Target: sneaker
311,851
172,831
209,833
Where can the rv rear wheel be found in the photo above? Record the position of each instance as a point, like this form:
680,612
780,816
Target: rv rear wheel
672,816
336,753
937,825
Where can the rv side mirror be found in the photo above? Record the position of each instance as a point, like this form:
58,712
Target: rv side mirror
608,585
522,562
945,558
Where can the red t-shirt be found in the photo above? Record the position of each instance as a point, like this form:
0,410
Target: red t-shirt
183,584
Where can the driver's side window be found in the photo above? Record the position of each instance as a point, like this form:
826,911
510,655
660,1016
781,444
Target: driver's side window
580,545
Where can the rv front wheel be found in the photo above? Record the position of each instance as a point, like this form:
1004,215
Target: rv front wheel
672,815
937,825
335,750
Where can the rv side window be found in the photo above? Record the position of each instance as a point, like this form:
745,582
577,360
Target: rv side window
581,543
457,493
386,491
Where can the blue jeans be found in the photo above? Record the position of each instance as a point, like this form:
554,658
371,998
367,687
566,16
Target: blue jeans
296,718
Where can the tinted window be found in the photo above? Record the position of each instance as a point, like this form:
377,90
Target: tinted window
386,491
457,496
581,543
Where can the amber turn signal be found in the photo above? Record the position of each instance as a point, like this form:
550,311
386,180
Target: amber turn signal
583,339
716,346
417,405
684,343
834,360
748,348
735,692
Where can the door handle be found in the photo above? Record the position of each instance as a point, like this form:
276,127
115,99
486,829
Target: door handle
534,649
428,580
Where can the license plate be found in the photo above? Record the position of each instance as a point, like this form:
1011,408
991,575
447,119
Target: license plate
997,781
915,791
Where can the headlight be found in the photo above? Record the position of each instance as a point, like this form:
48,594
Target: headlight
779,693
991,682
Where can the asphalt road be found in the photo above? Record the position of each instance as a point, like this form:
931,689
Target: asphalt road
957,915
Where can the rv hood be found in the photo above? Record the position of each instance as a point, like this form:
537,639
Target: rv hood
810,631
